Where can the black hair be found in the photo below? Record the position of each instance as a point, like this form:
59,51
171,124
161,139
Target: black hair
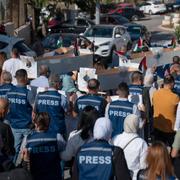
123,89
168,79
88,117
42,120
15,52
136,75
93,84
21,74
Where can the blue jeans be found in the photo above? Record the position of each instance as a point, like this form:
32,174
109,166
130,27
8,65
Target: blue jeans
19,134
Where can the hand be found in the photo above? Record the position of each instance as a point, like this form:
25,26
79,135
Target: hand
108,99
25,155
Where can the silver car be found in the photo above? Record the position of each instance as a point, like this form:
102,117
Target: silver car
107,38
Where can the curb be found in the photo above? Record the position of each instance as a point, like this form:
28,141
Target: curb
166,29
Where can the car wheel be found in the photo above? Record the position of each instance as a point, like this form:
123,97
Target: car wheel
135,18
150,12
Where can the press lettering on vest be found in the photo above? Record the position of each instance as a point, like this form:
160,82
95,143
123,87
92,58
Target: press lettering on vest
48,102
17,101
118,113
43,149
82,106
94,160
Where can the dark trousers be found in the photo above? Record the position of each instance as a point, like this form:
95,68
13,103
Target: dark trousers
167,138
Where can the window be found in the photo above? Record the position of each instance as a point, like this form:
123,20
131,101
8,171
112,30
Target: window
21,47
3,45
105,32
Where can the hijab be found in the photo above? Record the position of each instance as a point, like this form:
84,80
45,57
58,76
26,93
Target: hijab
102,129
131,124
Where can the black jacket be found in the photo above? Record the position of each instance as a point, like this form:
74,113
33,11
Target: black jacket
7,139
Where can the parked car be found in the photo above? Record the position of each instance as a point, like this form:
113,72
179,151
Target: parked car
137,30
172,6
55,40
107,38
105,8
113,19
7,43
124,5
132,14
78,26
152,7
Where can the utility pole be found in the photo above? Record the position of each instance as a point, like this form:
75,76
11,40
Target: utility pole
97,12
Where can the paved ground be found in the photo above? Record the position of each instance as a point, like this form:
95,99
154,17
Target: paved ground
159,35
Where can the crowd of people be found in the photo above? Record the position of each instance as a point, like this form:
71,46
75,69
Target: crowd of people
47,126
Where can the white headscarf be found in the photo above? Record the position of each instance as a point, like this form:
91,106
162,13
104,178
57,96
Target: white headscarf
131,124
102,129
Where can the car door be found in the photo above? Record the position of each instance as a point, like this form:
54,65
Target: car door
147,8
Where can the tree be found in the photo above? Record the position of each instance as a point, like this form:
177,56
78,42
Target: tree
84,5
37,6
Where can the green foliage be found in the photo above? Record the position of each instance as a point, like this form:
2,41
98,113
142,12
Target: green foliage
177,32
38,3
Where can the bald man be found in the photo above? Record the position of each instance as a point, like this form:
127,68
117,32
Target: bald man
42,80
5,130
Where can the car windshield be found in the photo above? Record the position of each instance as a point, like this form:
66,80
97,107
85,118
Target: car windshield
105,32
157,2
51,41
68,40
22,47
134,30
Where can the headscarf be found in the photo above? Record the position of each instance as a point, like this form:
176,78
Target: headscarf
131,124
102,129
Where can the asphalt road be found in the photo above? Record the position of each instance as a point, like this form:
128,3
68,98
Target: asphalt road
159,35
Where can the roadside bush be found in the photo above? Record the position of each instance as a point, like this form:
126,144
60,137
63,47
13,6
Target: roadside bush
177,33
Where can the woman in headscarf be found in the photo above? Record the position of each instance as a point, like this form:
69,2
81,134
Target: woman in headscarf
135,148
100,160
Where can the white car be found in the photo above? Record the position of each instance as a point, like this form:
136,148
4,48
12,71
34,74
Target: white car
152,7
106,39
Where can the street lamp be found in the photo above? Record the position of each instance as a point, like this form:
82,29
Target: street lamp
97,12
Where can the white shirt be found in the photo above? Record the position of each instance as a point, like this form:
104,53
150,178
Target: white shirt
74,143
177,122
12,65
41,81
135,152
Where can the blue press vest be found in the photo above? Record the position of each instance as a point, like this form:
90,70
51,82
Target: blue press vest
135,89
50,102
44,156
91,100
177,85
4,89
20,110
118,111
94,161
